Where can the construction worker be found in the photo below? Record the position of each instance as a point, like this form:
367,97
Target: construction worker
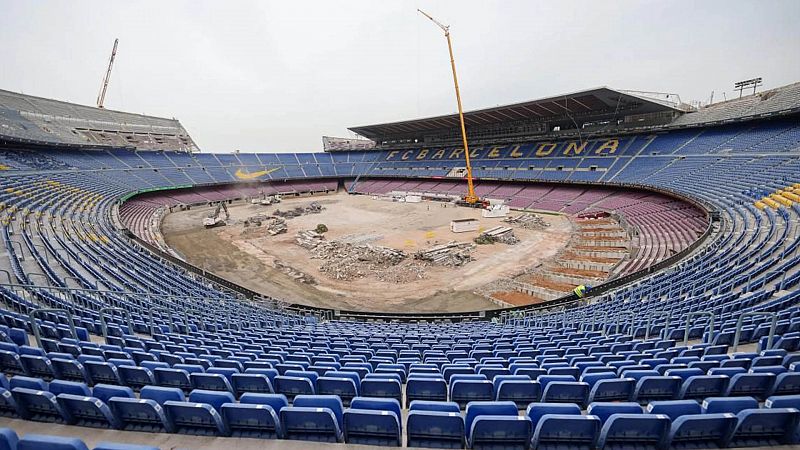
581,290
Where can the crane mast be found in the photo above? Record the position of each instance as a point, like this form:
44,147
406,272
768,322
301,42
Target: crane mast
101,97
471,197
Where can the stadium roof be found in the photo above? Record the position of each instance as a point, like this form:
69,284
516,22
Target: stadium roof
600,102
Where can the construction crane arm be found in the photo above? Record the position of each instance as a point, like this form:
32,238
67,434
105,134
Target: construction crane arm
445,28
101,97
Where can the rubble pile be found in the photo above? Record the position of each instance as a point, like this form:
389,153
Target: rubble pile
346,261
276,225
528,221
308,239
503,235
312,208
452,254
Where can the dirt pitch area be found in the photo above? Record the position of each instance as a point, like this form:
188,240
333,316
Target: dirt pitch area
248,256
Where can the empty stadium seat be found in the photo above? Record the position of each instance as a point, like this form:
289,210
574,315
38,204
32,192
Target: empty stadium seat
371,427
251,420
86,411
310,424
641,431
434,429
199,419
574,431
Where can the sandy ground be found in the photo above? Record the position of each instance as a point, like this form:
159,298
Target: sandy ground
248,257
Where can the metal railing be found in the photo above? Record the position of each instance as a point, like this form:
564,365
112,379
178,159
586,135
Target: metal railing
692,315
37,334
740,322
104,325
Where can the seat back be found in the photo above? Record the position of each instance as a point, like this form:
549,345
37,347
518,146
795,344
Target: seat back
310,424
573,431
434,429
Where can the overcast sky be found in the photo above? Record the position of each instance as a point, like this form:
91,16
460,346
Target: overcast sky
277,75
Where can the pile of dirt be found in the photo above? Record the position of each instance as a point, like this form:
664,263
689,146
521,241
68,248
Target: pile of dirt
452,254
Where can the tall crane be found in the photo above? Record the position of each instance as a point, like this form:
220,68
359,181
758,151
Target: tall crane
471,198
101,97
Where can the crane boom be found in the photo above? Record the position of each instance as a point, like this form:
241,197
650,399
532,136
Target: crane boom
101,97
471,197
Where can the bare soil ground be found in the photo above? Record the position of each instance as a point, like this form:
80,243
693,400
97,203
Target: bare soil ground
248,257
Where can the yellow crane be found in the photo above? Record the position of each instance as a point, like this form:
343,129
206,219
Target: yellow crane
471,198
101,97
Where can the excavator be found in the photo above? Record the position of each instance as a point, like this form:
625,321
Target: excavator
214,220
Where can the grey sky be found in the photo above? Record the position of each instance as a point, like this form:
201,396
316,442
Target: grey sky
277,75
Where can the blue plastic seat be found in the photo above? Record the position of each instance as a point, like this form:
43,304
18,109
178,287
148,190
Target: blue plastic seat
640,431
37,405
102,373
426,389
371,427
755,385
566,392
199,419
331,402
250,382
86,411
214,398
276,401
475,409
783,401
135,377
764,427
34,383
422,405
617,389
210,382
499,431
177,378
522,393
566,431
310,424
69,387
8,406
650,388
604,410
674,408
787,383
465,391
701,431
381,388
104,392
345,388
434,429
732,405
293,386
117,446
378,404
41,441
38,366
251,421
8,439
140,415
702,386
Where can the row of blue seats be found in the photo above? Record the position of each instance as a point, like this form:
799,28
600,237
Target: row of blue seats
10,441
378,421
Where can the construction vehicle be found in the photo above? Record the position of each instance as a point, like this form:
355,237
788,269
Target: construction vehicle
471,199
214,220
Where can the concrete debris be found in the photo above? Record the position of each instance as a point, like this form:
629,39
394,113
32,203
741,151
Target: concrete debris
277,225
452,254
312,208
300,277
308,239
529,221
347,261
255,220
504,235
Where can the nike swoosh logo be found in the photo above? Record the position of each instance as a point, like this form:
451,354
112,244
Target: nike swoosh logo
252,175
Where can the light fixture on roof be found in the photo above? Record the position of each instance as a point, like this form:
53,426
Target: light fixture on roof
742,85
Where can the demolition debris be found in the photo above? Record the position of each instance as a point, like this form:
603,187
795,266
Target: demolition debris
503,235
452,254
313,208
528,221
